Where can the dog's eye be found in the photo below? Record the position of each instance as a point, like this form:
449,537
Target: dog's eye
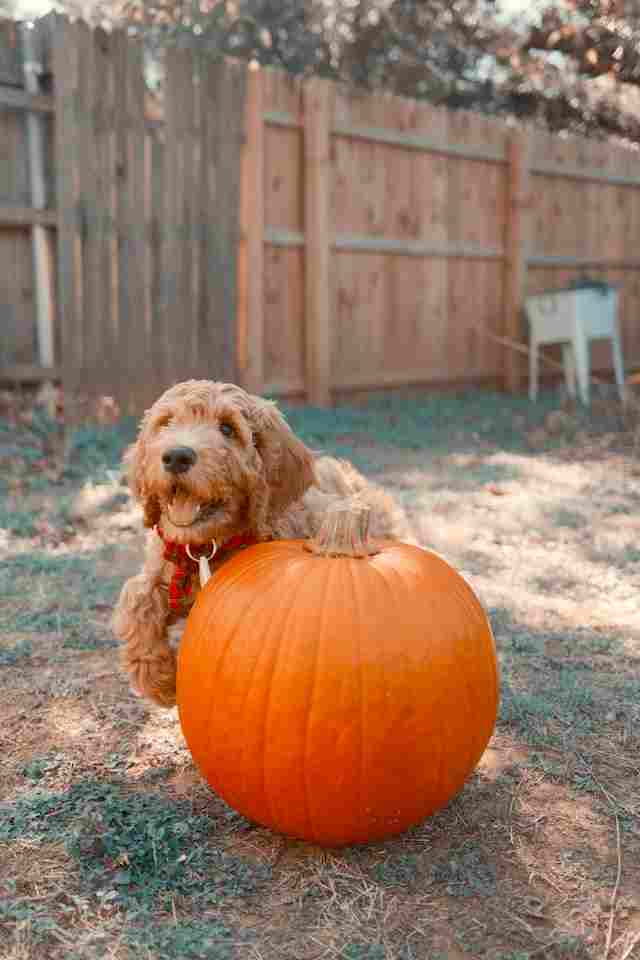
227,429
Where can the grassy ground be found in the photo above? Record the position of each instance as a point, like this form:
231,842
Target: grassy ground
111,846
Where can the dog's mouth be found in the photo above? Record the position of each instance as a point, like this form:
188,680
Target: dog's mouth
185,511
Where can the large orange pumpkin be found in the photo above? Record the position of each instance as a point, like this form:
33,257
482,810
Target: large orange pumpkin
337,696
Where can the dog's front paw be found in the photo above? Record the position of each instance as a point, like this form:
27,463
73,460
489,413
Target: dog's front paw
154,677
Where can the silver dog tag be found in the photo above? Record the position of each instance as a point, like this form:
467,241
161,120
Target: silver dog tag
204,570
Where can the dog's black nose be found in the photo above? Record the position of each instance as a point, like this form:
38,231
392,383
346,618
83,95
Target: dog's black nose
179,459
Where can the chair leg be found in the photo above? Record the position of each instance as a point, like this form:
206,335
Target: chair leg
581,354
533,371
618,363
569,364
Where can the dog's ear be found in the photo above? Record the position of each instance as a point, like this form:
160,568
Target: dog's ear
133,462
288,463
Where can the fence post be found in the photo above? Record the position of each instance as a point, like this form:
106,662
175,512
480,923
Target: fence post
517,241
317,117
65,73
42,241
250,311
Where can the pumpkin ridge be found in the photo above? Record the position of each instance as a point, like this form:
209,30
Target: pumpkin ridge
205,624
249,688
467,704
268,707
228,647
312,691
388,574
356,595
197,643
468,700
469,601
440,714
467,708
439,732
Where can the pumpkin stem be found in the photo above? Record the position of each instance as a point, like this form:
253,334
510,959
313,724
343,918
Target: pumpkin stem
344,531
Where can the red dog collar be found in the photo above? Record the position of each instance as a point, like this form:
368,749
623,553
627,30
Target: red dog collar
186,564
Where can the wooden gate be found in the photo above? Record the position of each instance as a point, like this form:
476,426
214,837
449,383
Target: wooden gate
148,215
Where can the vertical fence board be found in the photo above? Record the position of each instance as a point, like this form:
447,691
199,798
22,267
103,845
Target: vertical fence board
517,243
86,198
65,60
122,261
225,90
41,237
201,307
134,221
14,169
317,241
167,221
111,163
183,78
284,298
433,180
94,82
284,196
172,186
18,343
251,340
209,342
10,66
105,200
178,87
18,328
199,213
157,346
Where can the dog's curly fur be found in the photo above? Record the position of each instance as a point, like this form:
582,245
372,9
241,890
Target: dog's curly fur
251,475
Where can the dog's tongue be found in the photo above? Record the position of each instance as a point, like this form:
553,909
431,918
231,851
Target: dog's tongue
183,510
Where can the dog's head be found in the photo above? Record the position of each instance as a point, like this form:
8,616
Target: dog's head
212,461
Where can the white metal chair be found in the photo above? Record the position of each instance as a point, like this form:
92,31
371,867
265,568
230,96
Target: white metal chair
574,317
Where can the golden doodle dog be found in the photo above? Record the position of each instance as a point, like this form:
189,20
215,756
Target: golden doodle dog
217,469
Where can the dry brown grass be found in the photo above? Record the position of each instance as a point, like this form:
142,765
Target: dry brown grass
539,856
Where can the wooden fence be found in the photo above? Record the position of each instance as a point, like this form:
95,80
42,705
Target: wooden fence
147,271
392,243
147,223
26,208
379,242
